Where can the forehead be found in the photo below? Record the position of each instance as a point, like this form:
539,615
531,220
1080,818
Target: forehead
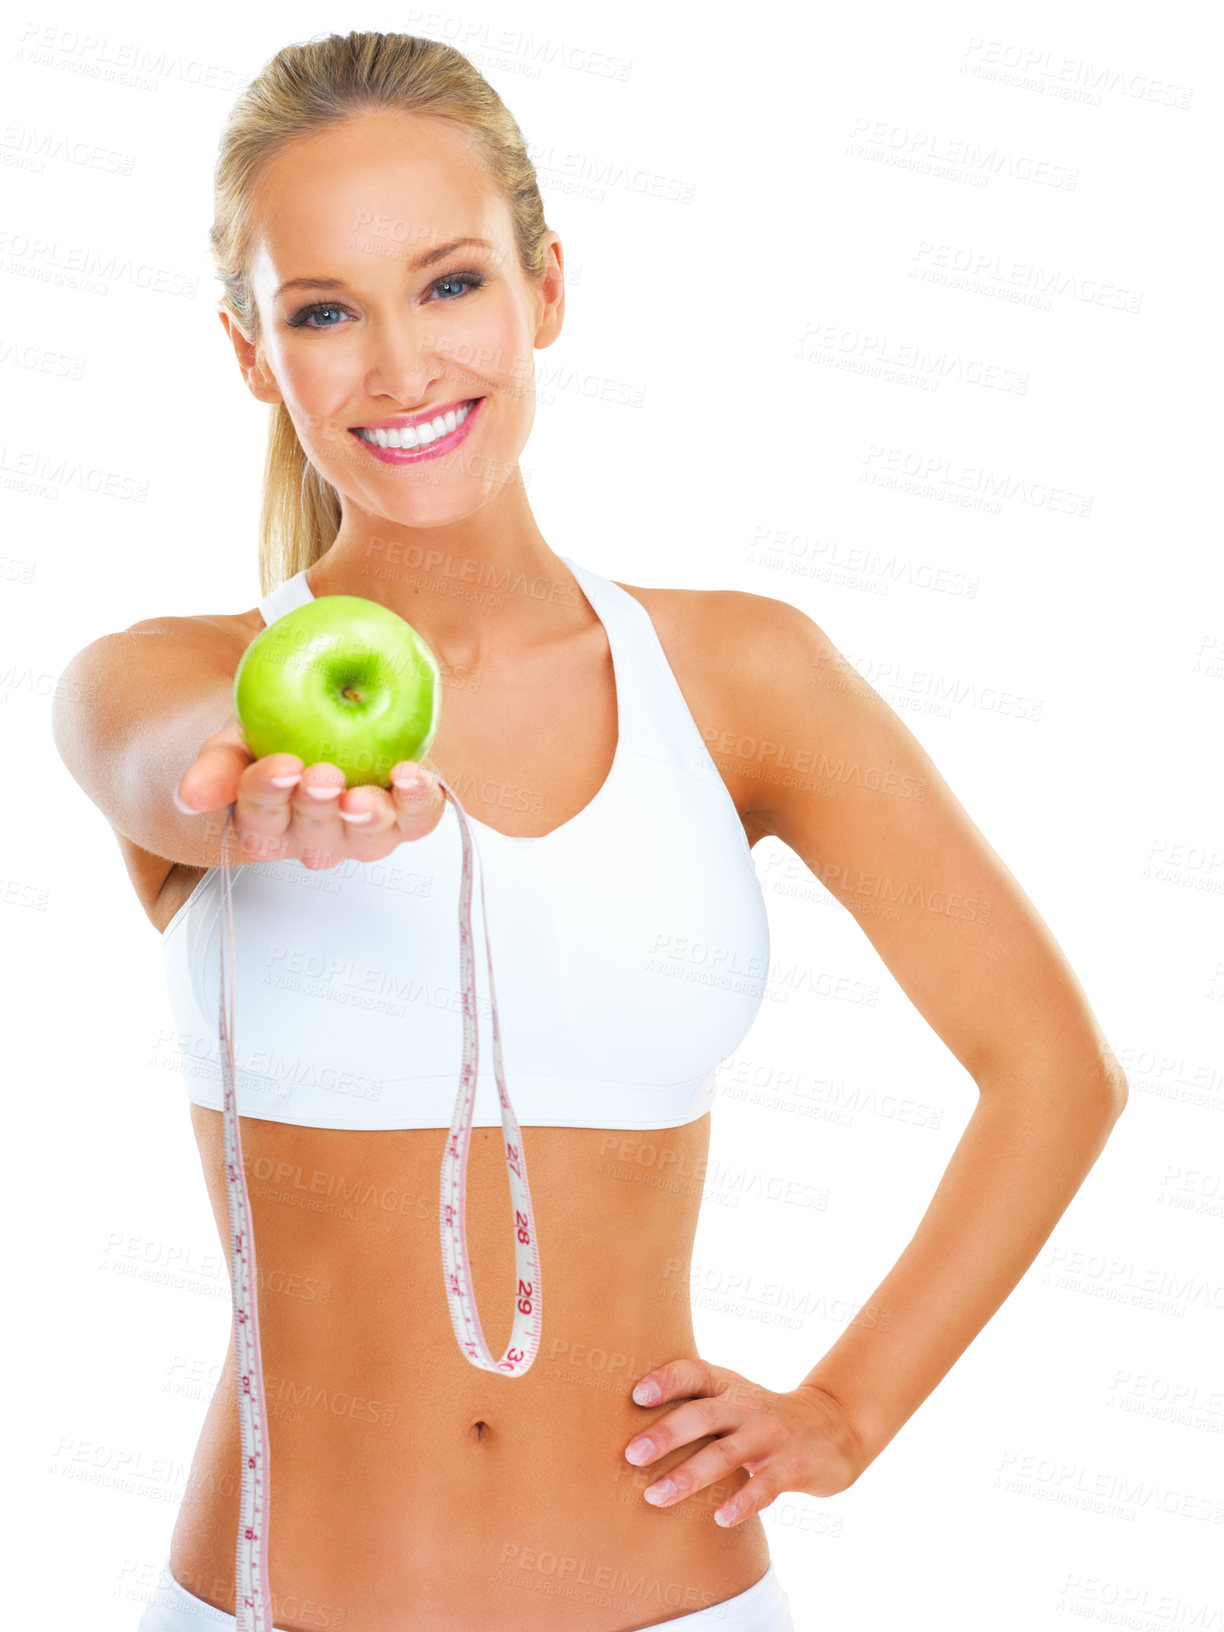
380,187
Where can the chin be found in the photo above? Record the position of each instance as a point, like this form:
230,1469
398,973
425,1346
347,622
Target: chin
440,508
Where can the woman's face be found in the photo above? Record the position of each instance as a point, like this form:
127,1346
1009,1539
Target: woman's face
359,207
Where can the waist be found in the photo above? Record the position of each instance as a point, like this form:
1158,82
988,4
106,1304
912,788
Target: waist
347,1238
456,1496
399,1473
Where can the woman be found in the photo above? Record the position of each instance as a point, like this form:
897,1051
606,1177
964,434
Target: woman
375,185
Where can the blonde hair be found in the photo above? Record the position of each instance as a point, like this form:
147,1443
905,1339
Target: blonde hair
303,89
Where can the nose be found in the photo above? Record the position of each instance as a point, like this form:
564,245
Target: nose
403,359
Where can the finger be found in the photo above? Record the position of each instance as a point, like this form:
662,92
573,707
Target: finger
755,1497
263,804
711,1414
367,815
317,829
417,798
715,1463
678,1379
210,782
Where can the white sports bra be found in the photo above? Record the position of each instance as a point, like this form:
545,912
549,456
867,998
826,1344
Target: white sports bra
630,945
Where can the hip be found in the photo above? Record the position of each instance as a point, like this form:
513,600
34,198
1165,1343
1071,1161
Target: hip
762,1606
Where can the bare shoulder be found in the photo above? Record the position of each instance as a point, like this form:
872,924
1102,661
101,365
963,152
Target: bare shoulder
235,628
729,629
722,645
795,727
825,764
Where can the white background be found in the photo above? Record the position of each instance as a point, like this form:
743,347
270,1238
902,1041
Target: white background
750,209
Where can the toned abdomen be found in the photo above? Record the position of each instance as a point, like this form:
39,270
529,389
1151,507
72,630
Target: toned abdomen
410,1487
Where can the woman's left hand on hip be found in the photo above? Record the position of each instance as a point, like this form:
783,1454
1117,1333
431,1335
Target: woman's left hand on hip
801,1440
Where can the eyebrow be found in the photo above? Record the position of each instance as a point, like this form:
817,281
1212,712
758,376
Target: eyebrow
423,260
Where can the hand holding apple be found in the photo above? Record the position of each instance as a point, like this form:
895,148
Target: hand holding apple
311,816
342,680
334,710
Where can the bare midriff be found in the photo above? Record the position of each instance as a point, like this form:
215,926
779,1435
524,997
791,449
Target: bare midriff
411,1489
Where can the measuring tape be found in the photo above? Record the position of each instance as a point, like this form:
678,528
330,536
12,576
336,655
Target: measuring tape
253,1601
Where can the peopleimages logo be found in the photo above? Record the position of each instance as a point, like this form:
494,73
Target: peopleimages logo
125,62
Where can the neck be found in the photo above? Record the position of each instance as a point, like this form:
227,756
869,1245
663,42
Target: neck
488,582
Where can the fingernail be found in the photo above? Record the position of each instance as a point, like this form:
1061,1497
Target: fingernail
640,1451
662,1492
285,781
355,816
325,793
725,1516
186,809
646,1393
413,786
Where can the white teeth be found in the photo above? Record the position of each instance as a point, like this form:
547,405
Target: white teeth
418,436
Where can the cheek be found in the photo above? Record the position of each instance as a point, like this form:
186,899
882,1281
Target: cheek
318,383
496,348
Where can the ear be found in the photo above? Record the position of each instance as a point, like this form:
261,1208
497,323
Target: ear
551,289
259,381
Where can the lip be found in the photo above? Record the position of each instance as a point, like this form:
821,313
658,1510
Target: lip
412,456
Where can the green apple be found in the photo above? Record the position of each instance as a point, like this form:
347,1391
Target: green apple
340,679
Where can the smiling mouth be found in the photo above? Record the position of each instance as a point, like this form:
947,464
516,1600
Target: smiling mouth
417,436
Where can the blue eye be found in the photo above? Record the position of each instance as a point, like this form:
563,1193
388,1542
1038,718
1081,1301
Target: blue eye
468,280
298,320
464,281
